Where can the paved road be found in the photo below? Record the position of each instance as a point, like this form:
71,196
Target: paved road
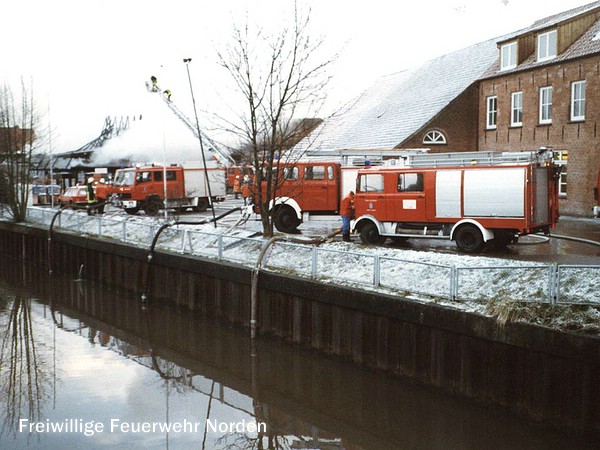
529,248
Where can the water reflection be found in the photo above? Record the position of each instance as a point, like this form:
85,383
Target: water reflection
23,374
73,351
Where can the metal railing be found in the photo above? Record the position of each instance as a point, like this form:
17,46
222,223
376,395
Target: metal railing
543,283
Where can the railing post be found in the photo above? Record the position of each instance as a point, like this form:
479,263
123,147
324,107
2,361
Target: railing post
314,262
99,226
183,239
456,282
452,282
125,230
554,290
220,251
376,270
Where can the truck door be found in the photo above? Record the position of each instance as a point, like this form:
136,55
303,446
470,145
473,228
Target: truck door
406,202
174,184
144,185
370,196
319,189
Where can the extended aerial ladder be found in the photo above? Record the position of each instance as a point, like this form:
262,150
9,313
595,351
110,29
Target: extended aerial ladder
223,158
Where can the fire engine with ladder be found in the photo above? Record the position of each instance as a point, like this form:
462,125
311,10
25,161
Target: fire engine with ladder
473,198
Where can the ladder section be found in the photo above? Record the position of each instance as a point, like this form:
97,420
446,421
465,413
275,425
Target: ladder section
476,158
223,158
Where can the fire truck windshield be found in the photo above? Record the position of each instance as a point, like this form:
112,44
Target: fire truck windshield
124,178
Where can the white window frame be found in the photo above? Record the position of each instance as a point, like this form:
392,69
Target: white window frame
434,137
508,56
561,158
491,115
578,100
547,45
516,109
545,115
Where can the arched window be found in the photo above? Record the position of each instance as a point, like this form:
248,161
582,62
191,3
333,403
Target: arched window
434,137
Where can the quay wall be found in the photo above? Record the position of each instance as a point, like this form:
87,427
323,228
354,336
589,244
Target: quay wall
545,375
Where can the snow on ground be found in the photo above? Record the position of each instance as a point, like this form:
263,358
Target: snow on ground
471,283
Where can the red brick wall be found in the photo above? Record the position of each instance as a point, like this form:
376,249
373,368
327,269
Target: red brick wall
458,122
581,139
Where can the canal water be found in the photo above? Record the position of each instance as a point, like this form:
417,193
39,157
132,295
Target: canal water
85,367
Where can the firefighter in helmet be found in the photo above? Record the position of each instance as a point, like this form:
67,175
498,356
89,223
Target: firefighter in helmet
90,195
237,185
246,190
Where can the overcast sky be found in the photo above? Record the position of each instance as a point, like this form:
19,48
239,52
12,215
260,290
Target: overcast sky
88,57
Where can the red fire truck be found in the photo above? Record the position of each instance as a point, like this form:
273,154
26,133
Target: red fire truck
472,198
143,188
308,187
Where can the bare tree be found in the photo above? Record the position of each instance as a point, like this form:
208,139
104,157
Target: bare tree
282,77
18,122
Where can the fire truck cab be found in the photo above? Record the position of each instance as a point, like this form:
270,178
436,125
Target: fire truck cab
304,187
472,198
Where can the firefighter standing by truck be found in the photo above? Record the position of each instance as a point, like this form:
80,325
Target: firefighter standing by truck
237,186
246,190
347,213
90,195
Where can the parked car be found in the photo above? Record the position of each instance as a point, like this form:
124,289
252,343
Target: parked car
74,195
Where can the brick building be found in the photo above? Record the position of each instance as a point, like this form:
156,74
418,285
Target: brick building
544,90
537,87
15,139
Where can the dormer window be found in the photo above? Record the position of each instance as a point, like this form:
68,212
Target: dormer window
508,56
546,46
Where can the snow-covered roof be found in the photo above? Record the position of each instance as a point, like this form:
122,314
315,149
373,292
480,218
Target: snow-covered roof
398,105
556,19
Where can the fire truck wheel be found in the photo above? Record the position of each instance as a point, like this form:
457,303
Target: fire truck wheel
152,208
369,234
286,220
201,206
469,239
132,211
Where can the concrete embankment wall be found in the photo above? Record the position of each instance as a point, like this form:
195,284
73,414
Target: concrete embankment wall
548,376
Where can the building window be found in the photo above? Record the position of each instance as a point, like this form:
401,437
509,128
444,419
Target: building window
546,46
492,113
508,56
434,137
578,100
545,105
560,159
516,109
